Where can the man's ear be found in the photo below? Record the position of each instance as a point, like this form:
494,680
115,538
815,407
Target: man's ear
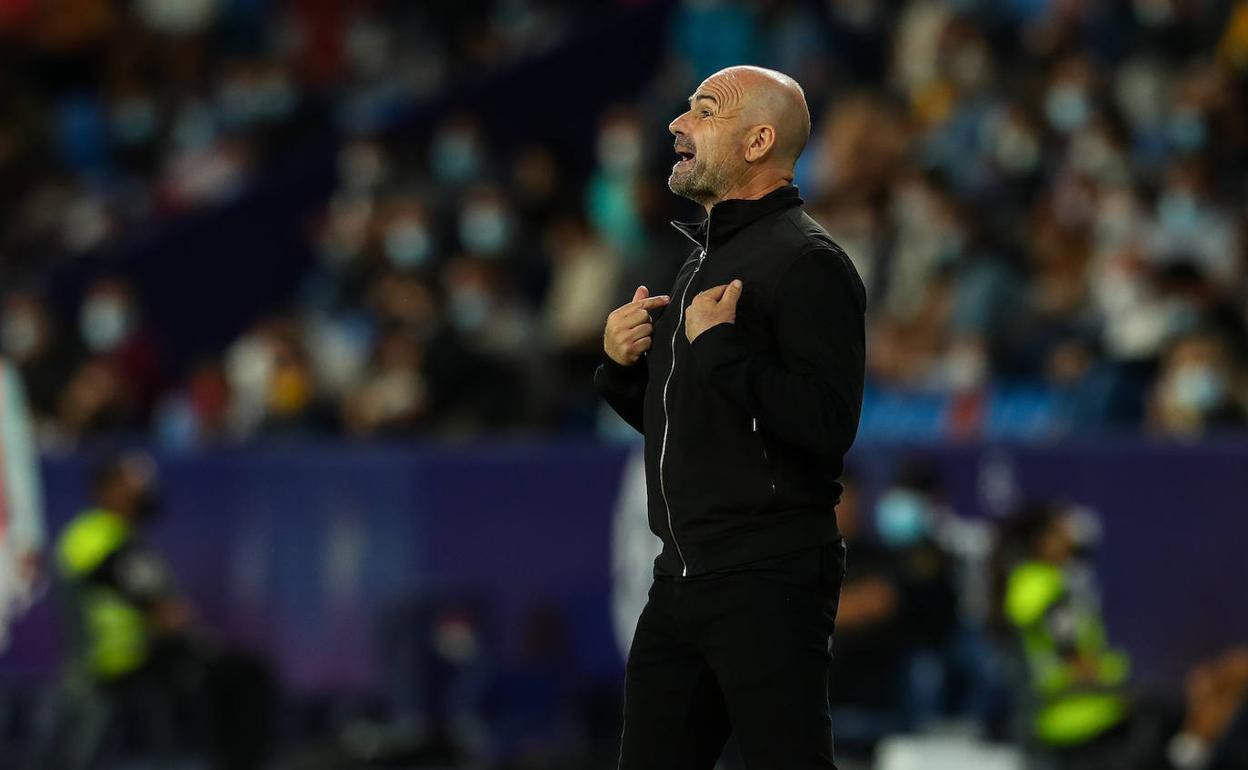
759,143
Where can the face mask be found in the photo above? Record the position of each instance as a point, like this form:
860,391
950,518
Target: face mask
1017,150
407,245
970,66
134,121
1178,212
276,97
362,168
1197,387
619,150
104,322
455,157
195,127
470,308
1187,131
901,519
239,103
483,229
19,336
1114,222
1066,107
910,208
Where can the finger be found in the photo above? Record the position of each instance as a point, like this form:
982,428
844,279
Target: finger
641,293
638,332
634,318
732,293
641,345
715,292
653,302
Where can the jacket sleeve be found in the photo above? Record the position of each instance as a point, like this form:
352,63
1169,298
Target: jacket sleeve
809,391
624,388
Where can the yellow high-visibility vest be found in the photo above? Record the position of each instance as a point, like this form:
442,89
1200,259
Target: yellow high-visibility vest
114,630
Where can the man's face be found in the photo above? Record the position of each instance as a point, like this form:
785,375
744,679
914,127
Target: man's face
708,139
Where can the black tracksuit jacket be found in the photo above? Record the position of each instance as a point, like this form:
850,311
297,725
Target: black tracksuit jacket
746,429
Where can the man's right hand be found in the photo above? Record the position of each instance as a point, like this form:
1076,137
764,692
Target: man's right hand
629,327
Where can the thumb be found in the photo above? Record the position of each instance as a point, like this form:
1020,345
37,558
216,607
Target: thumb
732,293
641,293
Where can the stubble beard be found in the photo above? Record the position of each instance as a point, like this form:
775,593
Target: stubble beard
703,184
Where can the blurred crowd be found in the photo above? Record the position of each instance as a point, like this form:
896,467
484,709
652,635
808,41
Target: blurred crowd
1046,194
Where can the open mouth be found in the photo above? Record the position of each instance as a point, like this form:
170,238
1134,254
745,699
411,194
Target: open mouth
686,158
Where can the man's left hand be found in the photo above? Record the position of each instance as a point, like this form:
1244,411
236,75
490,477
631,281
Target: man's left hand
712,307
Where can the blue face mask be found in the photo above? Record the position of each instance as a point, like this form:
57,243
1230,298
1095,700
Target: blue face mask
901,518
104,324
483,230
134,121
470,309
1066,107
1178,212
408,246
454,158
1187,131
1198,388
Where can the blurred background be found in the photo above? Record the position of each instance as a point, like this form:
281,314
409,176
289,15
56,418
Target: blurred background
338,270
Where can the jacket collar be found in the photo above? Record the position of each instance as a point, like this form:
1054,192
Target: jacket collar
730,216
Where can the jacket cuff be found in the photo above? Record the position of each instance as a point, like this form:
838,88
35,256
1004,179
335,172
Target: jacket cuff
619,377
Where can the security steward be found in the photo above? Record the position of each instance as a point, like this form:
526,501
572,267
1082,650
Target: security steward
1079,702
124,618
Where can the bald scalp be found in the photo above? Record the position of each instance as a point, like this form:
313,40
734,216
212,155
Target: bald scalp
771,98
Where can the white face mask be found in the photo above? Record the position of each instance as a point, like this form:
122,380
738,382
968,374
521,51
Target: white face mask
104,323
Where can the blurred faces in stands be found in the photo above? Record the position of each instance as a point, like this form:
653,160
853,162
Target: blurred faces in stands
485,222
456,155
25,331
1198,389
107,317
1068,101
408,242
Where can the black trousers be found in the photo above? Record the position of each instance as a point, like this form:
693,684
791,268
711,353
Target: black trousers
747,652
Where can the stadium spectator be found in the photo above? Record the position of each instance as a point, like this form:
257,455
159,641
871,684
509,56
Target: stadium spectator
870,652
1215,730
1198,388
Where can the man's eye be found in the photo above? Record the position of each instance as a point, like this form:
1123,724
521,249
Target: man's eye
705,113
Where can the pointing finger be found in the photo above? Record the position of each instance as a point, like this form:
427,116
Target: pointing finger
715,292
641,293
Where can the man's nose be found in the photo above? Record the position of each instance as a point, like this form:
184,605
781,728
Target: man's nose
675,126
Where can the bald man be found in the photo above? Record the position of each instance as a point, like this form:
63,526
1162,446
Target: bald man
747,384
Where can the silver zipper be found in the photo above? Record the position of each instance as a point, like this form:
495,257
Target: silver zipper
766,461
667,423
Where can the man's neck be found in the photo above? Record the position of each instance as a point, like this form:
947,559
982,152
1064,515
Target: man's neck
753,189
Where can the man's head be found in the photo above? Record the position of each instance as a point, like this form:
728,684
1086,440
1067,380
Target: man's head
743,132
126,485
